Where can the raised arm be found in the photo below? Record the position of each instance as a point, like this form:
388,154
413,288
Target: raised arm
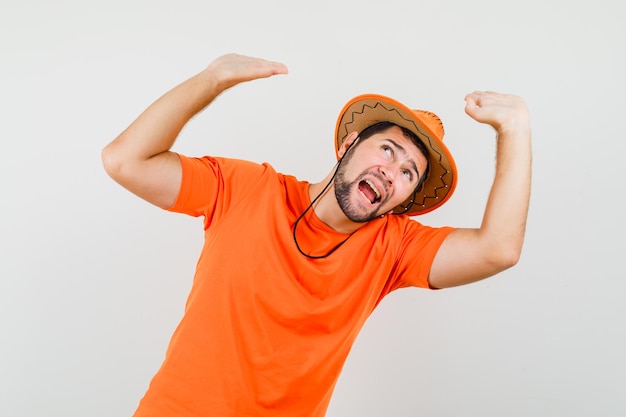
140,159
468,255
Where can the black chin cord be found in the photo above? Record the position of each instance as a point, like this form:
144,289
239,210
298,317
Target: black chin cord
295,225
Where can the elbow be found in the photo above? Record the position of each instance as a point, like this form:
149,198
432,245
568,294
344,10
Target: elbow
111,161
510,260
504,257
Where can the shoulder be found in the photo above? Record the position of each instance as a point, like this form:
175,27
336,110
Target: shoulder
411,232
217,166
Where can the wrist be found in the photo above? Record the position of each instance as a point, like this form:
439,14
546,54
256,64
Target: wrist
519,125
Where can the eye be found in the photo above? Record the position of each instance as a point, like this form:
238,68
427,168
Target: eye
407,174
387,150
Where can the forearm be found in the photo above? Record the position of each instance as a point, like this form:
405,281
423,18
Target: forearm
156,129
504,222
468,255
139,158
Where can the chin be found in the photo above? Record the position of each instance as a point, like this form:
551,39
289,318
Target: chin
352,207
361,216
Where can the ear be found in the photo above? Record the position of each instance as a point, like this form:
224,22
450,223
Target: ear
346,143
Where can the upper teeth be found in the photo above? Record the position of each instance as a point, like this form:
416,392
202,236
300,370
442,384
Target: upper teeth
373,187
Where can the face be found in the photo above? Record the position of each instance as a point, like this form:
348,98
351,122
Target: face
377,174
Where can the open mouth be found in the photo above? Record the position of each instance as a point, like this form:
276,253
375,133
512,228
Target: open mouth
369,190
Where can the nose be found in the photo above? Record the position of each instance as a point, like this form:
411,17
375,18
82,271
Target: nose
389,173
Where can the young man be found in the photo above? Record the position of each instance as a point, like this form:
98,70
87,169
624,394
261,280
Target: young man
290,271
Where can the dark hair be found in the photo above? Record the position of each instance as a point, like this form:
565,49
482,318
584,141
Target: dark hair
385,125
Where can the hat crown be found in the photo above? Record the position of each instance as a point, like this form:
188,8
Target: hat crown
432,121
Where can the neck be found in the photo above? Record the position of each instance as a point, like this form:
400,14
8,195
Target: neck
327,208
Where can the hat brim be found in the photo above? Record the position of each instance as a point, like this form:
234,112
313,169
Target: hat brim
368,109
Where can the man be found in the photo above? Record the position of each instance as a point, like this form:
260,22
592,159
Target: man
290,271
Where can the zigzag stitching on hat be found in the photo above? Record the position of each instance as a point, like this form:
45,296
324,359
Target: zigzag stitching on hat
440,156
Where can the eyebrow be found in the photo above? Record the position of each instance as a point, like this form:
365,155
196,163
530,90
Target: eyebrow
403,151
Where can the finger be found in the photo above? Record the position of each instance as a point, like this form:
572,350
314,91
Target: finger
280,68
472,101
265,68
475,103
475,97
471,108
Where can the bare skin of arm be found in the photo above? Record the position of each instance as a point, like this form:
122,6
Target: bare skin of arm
140,159
469,255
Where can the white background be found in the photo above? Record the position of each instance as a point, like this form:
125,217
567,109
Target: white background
94,280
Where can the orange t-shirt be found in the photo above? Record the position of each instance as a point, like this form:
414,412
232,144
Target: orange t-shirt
266,330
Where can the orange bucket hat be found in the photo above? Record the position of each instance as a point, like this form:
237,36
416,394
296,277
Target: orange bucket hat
368,109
